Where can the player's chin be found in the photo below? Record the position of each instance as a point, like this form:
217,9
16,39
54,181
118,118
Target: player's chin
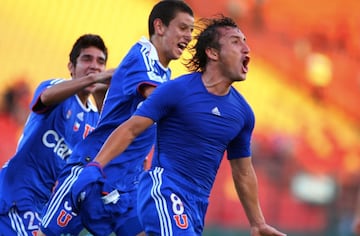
243,77
177,53
240,77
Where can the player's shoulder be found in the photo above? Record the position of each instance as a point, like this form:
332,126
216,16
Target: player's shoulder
148,49
180,85
141,52
241,101
235,93
180,81
51,82
194,77
190,80
47,84
144,42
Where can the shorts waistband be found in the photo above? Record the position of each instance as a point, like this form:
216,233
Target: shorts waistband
182,182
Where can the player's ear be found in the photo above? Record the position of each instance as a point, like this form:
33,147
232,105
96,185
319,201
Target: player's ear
159,26
212,53
71,68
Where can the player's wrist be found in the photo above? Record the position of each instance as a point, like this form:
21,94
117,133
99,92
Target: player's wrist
95,163
98,166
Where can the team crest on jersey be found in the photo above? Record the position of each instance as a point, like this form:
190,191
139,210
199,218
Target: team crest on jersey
87,130
76,126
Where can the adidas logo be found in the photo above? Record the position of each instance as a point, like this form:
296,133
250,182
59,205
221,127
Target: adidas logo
216,111
80,116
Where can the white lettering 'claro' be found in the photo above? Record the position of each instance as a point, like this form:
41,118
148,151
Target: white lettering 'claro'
51,139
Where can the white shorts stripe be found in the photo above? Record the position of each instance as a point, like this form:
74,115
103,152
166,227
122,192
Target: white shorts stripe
160,202
61,192
16,223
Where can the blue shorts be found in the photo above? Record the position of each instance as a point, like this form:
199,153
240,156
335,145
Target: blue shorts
167,205
97,211
58,217
19,223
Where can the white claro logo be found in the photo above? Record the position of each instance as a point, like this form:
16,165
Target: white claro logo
52,140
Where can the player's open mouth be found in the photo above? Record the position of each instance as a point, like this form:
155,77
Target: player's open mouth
246,61
182,46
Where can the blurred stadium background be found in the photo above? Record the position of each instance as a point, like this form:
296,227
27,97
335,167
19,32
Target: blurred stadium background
303,84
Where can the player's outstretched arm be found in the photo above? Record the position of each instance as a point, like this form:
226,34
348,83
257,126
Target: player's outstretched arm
246,186
116,143
61,91
121,138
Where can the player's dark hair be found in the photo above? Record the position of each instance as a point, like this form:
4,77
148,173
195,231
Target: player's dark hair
85,41
166,10
207,37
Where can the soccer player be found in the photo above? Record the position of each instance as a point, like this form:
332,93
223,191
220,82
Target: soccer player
61,115
111,205
198,116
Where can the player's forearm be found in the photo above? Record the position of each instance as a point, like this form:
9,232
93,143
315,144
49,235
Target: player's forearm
116,143
248,194
247,188
60,92
121,138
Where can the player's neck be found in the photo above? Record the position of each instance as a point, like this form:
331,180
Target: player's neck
164,61
83,98
215,84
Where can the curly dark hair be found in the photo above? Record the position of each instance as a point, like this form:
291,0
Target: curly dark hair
207,37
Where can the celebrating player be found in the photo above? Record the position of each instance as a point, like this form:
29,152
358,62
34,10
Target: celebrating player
110,206
198,116
61,116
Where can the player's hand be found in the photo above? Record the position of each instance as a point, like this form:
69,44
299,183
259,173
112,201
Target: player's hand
265,230
90,175
102,81
99,88
105,76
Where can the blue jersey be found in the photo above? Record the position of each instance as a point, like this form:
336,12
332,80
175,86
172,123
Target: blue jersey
140,67
48,137
195,128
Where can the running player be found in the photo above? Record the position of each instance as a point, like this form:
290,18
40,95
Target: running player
111,205
199,116
61,116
